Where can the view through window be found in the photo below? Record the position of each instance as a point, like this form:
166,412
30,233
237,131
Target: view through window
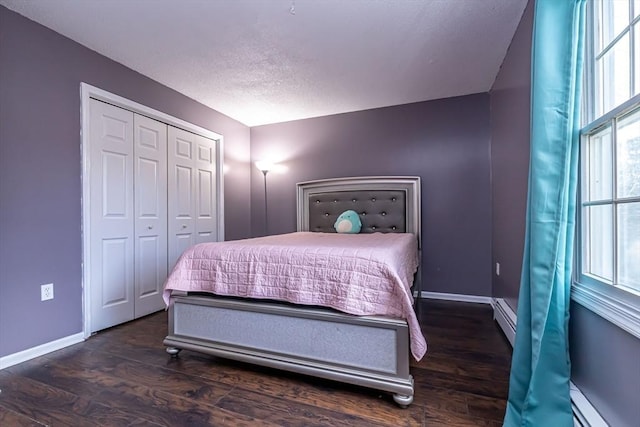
610,151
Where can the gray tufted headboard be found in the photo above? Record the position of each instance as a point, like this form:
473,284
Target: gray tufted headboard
384,204
388,204
379,210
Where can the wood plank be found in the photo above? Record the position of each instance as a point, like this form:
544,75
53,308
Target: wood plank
374,405
284,411
14,419
486,407
456,365
50,405
139,400
455,420
494,388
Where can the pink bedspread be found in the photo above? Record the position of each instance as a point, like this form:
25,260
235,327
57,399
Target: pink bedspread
361,274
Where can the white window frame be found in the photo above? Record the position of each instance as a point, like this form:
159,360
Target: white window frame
620,306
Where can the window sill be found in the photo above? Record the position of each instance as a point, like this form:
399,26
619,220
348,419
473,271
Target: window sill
618,307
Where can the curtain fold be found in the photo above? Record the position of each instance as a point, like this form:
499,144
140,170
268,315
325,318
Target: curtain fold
540,368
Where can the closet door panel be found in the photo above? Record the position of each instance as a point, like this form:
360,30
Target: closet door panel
115,271
206,185
150,150
149,274
184,193
181,192
111,231
183,242
114,182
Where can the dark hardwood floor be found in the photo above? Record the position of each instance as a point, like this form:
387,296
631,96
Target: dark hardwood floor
122,376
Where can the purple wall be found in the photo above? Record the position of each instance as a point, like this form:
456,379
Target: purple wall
605,365
445,142
40,169
604,358
510,111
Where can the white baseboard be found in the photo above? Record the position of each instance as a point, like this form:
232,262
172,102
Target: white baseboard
584,414
41,350
506,318
456,297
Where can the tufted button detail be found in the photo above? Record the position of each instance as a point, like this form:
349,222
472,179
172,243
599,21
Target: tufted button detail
393,228
383,214
393,199
335,201
317,201
363,214
326,214
373,228
353,200
373,199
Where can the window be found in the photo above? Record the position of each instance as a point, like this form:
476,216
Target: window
608,261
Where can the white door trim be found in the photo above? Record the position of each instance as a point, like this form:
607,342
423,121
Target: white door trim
86,93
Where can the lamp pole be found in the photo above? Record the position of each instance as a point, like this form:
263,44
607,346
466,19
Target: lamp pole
266,211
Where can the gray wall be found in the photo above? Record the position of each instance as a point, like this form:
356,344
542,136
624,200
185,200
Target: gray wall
606,366
40,169
605,359
445,142
510,111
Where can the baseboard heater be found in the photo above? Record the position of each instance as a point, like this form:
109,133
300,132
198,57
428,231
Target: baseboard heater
584,414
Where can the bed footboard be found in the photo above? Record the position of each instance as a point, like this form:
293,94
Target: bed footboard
367,351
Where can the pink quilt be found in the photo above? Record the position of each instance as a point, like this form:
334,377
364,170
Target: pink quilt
361,274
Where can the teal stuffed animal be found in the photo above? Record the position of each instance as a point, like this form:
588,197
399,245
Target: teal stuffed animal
348,222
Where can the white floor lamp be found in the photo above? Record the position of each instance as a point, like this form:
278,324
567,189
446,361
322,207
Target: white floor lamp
265,167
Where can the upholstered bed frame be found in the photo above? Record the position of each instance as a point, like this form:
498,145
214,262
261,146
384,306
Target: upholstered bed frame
370,351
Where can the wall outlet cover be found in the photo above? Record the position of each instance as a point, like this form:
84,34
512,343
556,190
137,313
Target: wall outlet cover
46,292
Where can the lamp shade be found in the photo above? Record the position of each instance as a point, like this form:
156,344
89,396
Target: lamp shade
264,166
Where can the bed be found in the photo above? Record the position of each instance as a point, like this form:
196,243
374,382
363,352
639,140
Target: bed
338,341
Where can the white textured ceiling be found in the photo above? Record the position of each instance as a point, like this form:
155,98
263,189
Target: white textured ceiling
268,61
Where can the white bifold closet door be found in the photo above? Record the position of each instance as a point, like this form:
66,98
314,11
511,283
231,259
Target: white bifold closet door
111,209
150,200
192,184
128,215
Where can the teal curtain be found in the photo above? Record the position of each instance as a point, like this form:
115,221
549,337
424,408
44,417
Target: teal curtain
540,368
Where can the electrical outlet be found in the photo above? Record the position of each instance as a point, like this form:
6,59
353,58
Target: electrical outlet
497,268
46,292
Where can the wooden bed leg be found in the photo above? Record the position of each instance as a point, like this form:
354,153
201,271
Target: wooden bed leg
402,400
173,351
